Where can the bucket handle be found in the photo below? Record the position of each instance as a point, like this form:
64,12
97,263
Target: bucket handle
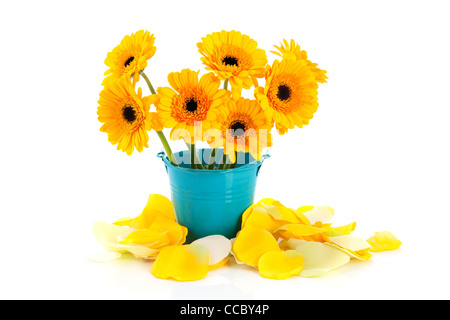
161,155
264,157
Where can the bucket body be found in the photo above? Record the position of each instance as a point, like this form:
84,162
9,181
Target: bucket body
209,202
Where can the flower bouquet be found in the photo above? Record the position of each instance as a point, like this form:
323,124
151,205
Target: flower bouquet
213,189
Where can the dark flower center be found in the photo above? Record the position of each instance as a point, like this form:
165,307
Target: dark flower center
284,92
191,105
238,128
130,60
230,61
129,114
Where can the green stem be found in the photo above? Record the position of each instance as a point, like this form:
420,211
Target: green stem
166,146
192,151
152,90
212,159
225,84
224,160
196,162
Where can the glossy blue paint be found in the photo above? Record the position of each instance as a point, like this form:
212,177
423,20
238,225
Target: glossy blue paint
211,202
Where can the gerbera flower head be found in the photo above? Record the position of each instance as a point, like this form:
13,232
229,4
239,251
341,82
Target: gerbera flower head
289,97
188,104
243,126
125,116
293,51
130,56
234,56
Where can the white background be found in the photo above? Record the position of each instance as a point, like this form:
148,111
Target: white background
377,149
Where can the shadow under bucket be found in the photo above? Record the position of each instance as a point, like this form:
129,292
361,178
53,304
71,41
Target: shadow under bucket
209,202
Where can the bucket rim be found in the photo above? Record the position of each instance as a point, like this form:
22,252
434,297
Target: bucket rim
162,155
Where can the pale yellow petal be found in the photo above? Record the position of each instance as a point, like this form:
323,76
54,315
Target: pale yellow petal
319,257
218,246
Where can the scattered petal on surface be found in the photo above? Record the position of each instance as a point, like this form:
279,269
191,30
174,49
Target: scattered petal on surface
383,241
219,248
319,257
341,231
110,235
157,205
322,214
280,264
182,263
251,243
350,242
297,231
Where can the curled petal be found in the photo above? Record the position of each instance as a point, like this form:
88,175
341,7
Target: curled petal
182,263
219,248
157,205
382,241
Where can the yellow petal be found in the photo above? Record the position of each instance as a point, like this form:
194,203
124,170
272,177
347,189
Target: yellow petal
280,264
251,243
162,232
354,246
109,235
260,218
340,231
156,205
182,263
350,242
297,231
319,257
382,241
322,214
219,248
148,238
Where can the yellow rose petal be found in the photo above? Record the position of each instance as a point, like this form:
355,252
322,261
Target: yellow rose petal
280,264
157,205
219,248
297,231
182,263
341,231
319,257
321,214
350,242
110,235
148,238
382,241
251,243
260,218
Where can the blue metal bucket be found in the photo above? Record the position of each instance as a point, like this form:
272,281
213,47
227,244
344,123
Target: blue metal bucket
211,202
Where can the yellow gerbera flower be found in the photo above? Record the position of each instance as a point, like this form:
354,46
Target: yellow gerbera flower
125,116
234,56
293,51
242,126
129,57
189,103
289,97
